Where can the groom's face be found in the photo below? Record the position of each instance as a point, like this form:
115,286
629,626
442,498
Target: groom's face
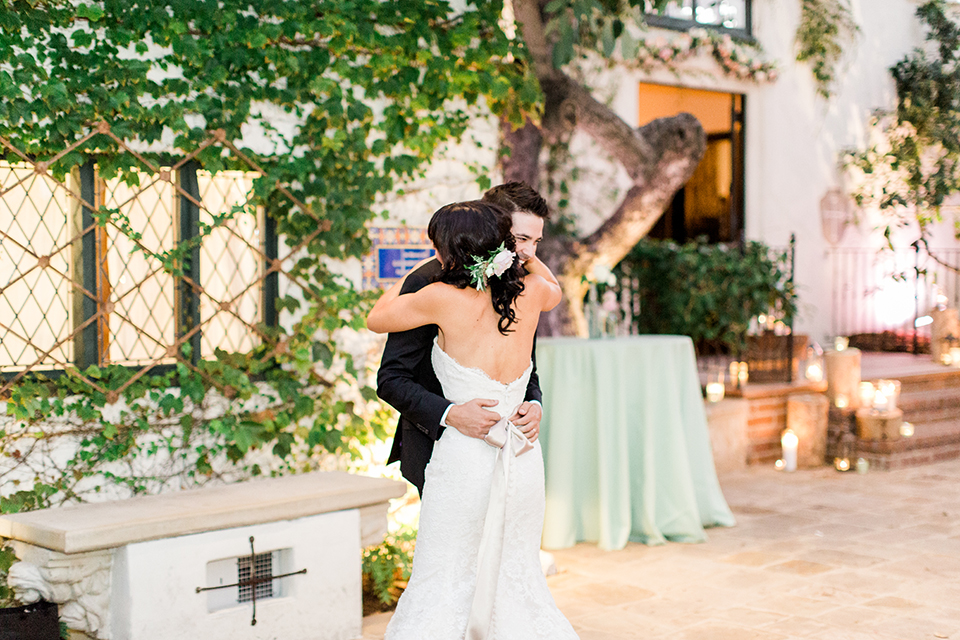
527,231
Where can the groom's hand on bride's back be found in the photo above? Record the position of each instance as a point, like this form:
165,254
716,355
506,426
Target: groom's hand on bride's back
471,419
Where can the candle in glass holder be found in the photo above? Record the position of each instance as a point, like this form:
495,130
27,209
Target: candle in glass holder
715,391
742,374
814,372
840,343
867,393
906,429
891,389
880,402
841,401
955,356
788,443
841,464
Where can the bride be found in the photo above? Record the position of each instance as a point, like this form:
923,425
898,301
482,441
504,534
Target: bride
476,570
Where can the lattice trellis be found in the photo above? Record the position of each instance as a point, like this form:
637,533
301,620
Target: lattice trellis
83,278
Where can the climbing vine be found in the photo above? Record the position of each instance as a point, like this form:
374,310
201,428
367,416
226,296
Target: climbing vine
825,26
911,167
346,101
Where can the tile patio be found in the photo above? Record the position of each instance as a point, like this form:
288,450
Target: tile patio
816,554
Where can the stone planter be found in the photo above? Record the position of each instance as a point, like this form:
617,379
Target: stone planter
38,621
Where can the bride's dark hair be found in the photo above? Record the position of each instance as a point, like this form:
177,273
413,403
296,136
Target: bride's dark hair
463,231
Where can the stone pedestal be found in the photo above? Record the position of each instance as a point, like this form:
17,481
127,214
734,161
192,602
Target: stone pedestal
946,322
807,417
873,425
137,569
727,423
843,378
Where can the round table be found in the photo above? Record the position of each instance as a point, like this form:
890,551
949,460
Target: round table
625,443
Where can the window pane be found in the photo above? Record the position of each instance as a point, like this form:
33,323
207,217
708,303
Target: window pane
680,9
35,293
230,263
142,323
731,14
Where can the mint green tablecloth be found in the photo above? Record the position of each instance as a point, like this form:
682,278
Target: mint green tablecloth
625,443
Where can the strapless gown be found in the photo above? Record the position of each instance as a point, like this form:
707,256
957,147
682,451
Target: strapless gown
465,480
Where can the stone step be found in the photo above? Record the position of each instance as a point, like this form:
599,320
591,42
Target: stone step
930,405
932,441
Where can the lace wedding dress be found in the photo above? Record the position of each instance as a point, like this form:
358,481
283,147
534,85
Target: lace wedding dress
476,570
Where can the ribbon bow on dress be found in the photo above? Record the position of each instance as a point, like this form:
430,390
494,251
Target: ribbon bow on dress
511,442
498,434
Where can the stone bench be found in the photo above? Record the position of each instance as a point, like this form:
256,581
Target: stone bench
142,568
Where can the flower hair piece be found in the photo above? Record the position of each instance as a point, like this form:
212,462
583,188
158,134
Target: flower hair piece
494,265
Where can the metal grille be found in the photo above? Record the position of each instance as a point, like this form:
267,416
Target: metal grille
230,267
34,231
82,261
262,567
142,293
876,291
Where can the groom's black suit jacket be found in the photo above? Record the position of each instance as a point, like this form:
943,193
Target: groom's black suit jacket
407,382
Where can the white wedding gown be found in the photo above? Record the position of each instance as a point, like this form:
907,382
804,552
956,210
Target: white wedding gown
442,595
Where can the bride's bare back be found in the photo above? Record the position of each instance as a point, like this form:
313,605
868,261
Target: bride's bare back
468,323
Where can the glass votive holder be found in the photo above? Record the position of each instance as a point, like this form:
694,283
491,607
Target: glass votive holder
890,390
867,393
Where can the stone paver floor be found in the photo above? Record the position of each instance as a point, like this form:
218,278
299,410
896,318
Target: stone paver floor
815,554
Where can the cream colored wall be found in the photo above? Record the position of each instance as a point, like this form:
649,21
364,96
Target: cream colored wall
794,137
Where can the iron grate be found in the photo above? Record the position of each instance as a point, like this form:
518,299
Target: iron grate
262,568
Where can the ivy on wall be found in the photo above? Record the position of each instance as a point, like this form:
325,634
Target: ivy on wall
825,25
911,166
373,89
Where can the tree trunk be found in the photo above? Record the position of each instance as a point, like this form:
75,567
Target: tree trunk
660,157
520,153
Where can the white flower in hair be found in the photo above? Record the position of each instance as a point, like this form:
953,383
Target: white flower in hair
502,261
494,265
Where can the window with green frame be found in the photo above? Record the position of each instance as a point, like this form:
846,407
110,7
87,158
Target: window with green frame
729,15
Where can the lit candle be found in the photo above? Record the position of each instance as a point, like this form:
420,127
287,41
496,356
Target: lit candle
734,367
891,389
788,443
714,391
880,401
743,374
841,401
840,343
955,356
906,429
841,464
866,394
814,372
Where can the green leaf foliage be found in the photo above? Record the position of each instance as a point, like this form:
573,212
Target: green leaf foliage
708,292
374,88
914,168
824,26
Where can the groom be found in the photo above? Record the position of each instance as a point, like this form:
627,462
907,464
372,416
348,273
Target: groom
406,379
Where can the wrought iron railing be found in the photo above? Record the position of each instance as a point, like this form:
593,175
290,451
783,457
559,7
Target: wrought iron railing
878,291
167,265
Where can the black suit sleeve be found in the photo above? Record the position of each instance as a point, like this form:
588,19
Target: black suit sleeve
396,379
533,386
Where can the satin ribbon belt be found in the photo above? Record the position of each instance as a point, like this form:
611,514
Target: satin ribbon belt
500,432
511,443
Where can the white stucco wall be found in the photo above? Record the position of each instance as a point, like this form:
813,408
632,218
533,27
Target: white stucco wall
794,137
155,583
